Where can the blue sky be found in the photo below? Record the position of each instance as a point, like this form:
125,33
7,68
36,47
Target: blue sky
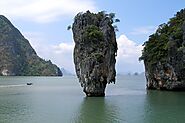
44,23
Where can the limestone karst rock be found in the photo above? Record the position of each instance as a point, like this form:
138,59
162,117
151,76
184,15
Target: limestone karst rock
164,55
95,51
17,57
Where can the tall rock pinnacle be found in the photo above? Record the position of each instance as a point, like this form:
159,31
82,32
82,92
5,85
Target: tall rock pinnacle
95,51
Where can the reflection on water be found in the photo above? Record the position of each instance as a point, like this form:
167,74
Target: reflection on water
60,100
14,106
97,110
164,107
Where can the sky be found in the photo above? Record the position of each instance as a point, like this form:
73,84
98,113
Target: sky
44,23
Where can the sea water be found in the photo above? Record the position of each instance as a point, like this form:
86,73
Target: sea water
61,100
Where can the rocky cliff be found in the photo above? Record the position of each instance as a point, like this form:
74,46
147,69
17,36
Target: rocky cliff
95,51
17,57
164,55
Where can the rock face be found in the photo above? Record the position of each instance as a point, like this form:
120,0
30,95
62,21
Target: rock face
164,55
94,52
17,57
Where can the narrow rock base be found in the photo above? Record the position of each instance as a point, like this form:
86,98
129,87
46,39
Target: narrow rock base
95,94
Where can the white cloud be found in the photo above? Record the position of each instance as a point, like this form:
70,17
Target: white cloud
143,30
128,54
62,48
44,11
62,53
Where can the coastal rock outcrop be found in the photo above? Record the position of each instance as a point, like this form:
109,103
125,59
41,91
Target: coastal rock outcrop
95,51
164,55
17,57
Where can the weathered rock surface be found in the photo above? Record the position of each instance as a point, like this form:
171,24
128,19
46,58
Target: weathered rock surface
94,52
164,55
17,57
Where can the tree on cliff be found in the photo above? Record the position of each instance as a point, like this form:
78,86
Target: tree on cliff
17,57
164,55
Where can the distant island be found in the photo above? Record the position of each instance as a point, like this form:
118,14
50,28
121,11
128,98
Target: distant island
18,58
65,72
164,55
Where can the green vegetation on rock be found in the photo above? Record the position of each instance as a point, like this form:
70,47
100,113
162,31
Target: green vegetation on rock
93,33
95,50
164,55
17,57
166,36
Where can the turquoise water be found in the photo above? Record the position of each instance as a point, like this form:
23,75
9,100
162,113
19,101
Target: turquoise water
61,100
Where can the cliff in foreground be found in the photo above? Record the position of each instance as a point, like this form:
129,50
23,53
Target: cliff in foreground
164,55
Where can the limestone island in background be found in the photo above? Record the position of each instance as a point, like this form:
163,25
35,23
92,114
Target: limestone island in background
18,58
